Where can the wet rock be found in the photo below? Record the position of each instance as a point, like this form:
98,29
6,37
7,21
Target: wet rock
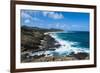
81,55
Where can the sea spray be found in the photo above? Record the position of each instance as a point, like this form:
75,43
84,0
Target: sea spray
66,47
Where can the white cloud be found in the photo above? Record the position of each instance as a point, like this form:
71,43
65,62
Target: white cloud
36,19
29,18
27,21
25,15
53,15
77,26
57,25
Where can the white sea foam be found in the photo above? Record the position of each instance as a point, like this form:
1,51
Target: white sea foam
65,49
66,46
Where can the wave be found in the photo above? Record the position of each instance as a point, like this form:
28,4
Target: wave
66,47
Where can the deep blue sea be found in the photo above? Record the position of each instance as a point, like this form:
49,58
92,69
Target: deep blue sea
82,38
73,41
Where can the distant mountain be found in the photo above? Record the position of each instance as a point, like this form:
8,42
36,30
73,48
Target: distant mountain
54,29
28,28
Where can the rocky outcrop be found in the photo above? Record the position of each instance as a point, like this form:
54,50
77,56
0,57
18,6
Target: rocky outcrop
35,43
34,40
48,42
80,55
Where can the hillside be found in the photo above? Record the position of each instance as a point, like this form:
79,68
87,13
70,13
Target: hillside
33,40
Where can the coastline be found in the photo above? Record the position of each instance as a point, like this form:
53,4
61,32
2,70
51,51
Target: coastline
43,47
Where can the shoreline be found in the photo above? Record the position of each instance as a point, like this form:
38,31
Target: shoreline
52,32
44,58
41,42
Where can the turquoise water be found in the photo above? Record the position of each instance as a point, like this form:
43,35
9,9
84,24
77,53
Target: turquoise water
74,41
82,38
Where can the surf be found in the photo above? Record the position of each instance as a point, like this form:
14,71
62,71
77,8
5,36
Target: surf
66,47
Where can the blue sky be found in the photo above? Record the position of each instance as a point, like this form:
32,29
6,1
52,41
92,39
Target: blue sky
68,21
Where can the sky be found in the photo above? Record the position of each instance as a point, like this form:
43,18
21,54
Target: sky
68,21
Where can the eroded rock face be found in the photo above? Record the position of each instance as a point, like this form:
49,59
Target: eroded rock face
49,42
34,40
81,55
34,44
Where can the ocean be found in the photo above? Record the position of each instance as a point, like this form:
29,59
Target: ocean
73,41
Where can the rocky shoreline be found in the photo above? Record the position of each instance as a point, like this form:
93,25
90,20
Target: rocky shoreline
35,43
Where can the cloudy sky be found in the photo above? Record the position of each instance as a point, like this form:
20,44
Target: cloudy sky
68,21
